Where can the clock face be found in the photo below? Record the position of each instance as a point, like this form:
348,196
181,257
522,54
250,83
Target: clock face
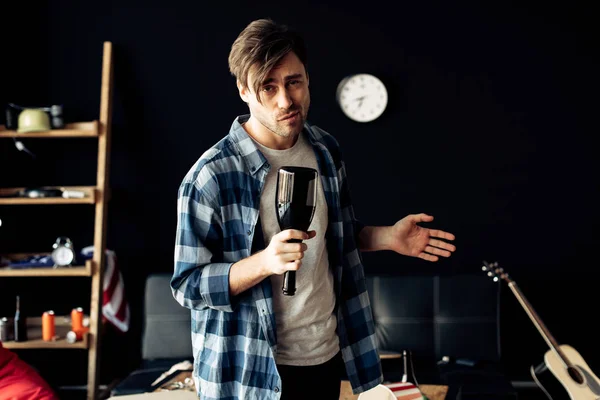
362,97
62,256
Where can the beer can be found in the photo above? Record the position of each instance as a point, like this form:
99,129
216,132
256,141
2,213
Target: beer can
76,335
48,327
4,329
76,318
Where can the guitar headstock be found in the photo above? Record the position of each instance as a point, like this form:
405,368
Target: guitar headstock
495,272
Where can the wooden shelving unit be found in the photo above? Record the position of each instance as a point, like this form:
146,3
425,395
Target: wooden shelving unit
35,341
73,130
89,196
97,196
40,344
76,270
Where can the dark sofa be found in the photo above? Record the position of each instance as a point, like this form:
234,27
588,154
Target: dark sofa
431,317
166,337
450,326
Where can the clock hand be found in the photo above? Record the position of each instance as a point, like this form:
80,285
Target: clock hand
360,100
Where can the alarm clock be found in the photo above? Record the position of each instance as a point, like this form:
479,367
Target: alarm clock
63,253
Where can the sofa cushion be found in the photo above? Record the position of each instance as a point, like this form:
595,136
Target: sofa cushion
167,325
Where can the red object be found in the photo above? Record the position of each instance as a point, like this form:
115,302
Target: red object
48,327
19,381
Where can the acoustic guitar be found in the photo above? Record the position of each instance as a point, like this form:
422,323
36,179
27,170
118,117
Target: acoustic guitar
563,374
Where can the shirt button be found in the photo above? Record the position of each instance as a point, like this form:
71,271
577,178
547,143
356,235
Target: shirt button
276,389
249,232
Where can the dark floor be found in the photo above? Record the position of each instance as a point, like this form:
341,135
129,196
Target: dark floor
77,394
529,391
71,395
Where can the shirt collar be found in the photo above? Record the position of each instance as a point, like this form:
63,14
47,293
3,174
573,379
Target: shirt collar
253,158
247,148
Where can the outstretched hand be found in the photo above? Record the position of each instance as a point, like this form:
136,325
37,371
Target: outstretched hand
410,239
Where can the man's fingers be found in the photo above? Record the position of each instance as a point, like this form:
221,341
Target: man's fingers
288,257
441,234
291,248
436,251
293,265
442,245
422,217
428,257
292,234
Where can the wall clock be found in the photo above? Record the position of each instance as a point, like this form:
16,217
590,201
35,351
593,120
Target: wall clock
362,97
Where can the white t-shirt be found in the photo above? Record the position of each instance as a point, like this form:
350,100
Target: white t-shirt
306,325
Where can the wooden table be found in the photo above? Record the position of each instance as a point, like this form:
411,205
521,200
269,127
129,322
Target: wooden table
433,392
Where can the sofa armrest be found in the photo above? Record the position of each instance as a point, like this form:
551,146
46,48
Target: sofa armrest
138,381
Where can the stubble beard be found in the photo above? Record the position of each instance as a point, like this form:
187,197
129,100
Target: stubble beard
280,129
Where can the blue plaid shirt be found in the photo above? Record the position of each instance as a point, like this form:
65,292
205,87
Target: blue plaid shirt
234,338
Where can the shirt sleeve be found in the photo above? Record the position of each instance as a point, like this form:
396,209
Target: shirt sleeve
201,278
346,204
355,317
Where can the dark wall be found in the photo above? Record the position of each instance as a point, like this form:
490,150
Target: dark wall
489,129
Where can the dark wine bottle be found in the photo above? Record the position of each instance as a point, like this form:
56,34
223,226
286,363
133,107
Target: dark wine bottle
20,323
295,202
11,114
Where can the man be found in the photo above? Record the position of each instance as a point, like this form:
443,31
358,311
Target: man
249,340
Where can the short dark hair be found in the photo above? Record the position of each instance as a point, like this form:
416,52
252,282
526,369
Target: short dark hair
263,43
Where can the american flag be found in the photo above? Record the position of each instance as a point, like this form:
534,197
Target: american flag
115,308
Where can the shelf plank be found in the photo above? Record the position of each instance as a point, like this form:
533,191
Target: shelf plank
41,344
85,270
76,129
34,336
89,196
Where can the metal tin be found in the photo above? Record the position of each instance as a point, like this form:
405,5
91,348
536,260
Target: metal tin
48,327
77,319
4,330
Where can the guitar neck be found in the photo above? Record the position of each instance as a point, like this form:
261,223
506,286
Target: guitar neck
552,343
